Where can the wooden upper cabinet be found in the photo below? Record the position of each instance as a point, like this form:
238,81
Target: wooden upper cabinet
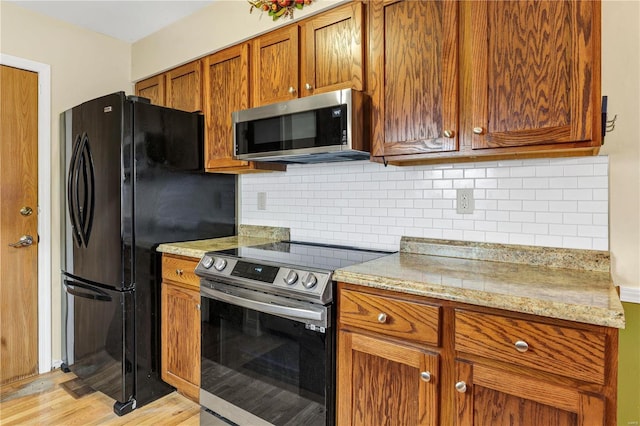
413,77
275,66
152,88
326,51
184,87
333,51
226,82
535,73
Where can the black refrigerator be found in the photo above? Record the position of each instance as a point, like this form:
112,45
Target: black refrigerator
133,178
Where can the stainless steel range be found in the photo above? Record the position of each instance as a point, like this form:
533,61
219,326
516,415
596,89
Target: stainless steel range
267,332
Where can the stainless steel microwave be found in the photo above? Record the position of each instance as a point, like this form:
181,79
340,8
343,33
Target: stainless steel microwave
320,128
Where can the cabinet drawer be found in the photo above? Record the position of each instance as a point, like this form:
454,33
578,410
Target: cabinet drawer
385,315
565,351
180,270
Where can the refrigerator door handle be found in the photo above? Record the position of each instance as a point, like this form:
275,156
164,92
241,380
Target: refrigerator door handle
88,199
94,293
72,193
81,206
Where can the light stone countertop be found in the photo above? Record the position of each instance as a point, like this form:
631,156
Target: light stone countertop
248,235
584,294
566,284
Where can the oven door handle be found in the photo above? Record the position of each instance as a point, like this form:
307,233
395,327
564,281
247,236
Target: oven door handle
300,314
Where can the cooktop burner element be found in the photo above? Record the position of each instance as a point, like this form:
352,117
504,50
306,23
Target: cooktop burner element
293,269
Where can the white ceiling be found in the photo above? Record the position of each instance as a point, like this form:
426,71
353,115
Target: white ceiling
125,20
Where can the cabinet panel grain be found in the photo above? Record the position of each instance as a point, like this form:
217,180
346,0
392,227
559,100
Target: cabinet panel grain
180,346
152,88
333,51
535,73
184,87
180,270
403,319
380,383
413,76
555,349
275,66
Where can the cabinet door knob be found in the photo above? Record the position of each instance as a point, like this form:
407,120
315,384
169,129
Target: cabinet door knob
198,306
461,387
179,272
478,130
382,317
26,211
521,346
292,90
449,134
425,376
308,87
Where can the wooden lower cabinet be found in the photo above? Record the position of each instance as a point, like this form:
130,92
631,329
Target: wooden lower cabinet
180,341
383,383
492,396
410,360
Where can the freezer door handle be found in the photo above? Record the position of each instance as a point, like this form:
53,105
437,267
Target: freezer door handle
94,293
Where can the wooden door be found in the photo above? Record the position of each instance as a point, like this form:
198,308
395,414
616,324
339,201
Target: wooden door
535,70
489,396
384,383
184,87
18,194
153,88
333,51
413,77
180,346
275,66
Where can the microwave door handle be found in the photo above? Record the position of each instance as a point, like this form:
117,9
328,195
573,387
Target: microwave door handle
268,308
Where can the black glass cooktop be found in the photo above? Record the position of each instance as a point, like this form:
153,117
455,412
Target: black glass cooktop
305,255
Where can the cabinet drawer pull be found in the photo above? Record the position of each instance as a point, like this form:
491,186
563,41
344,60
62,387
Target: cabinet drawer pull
478,130
382,317
179,272
461,387
425,376
521,346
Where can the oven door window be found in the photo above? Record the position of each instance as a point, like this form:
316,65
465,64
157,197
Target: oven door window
272,367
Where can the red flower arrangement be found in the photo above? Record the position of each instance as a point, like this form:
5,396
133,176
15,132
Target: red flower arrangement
278,8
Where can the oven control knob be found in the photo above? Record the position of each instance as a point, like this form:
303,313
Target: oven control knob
220,264
291,277
309,281
207,261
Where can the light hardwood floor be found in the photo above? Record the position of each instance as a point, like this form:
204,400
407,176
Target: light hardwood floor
42,400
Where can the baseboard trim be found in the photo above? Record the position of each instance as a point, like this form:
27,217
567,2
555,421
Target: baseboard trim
630,294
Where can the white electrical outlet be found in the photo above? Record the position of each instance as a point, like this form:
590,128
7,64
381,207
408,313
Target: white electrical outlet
465,203
262,200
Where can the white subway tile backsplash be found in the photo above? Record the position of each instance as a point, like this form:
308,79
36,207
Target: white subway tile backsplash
544,202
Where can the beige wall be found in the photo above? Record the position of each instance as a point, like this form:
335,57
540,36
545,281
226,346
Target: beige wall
620,81
84,65
222,24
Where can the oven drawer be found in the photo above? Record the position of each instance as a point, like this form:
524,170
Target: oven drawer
180,270
551,348
402,319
